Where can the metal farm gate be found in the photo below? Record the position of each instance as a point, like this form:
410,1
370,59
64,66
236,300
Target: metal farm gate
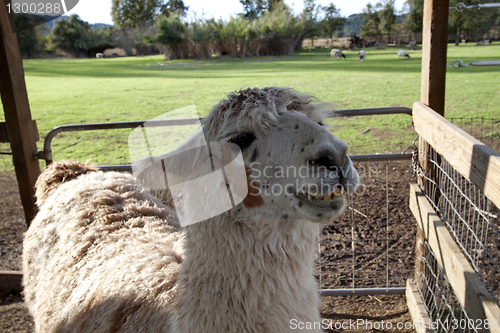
362,253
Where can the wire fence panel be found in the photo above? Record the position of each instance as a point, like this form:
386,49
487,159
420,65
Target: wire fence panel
486,130
446,313
470,217
373,245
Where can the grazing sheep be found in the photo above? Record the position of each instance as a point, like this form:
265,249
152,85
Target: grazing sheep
337,53
99,55
362,55
103,255
412,45
402,54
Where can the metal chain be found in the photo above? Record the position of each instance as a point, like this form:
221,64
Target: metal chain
417,168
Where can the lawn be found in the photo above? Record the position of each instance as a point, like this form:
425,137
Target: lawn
66,91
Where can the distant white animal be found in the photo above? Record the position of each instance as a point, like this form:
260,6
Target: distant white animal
337,53
412,45
362,55
403,54
99,55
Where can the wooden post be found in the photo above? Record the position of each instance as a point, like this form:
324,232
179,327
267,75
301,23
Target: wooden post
17,115
434,48
434,51
432,91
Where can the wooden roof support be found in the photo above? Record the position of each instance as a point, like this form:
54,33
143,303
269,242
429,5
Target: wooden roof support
432,90
434,49
17,115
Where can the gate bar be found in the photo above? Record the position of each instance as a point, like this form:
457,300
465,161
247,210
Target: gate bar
363,291
46,154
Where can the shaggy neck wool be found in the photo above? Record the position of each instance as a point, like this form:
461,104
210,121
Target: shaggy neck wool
247,276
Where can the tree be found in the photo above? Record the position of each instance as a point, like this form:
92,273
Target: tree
27,37
75,37
387,17
274,4
172,33
174,7
309,15
253,8
133,13
371,23
280,31
415,18
469,20
333,21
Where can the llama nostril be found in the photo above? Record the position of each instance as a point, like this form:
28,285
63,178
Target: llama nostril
322,161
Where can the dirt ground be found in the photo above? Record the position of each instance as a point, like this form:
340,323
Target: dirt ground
342,313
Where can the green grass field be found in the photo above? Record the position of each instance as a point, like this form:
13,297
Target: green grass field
66,91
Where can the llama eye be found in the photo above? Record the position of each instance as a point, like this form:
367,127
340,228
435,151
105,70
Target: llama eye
243,140
320,123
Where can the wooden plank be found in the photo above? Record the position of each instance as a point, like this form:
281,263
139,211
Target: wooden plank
470,290
419,252
434,48
10,281
417,310
18,116
4,134
476,161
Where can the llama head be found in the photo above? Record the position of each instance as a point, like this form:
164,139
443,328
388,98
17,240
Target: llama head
295,167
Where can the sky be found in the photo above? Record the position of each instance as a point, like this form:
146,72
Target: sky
99,11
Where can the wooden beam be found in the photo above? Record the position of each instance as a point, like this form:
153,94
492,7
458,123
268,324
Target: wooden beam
434,48
18,116
4,134
419,315
10,281
476,161
470,290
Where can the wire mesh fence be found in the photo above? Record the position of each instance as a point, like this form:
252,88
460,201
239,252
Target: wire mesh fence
486,130
470,217
446,313
373,244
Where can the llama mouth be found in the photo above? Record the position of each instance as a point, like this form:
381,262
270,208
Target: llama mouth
332,200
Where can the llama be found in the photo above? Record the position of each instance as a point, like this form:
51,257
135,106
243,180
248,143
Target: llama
103,255
337,53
